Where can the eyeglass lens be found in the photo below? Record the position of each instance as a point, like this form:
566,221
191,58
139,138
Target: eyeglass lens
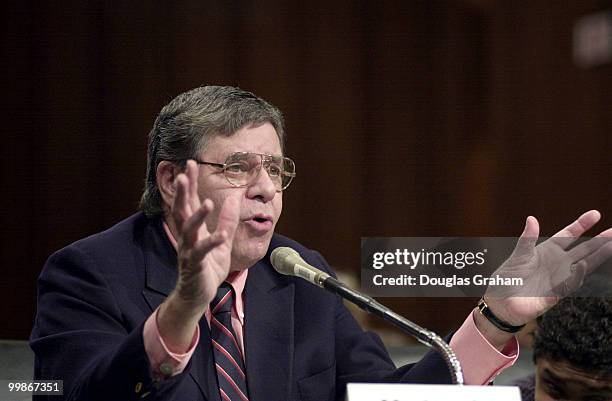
242,168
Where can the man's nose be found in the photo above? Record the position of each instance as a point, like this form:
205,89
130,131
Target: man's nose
263,186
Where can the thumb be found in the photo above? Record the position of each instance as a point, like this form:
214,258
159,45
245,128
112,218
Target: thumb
528,238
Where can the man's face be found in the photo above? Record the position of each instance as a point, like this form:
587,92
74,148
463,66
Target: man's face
560,381
261,205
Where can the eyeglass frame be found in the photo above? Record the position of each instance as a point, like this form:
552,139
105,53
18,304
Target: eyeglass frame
263,156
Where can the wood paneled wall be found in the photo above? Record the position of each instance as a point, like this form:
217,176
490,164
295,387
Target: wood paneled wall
405,118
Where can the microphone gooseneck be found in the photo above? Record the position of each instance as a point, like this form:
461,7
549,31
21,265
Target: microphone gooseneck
287,261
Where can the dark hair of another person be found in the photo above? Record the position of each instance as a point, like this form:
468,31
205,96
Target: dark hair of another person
577,331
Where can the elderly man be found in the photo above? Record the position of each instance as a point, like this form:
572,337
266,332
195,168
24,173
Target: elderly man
180,302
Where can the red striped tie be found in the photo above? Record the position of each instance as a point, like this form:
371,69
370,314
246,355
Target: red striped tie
228,358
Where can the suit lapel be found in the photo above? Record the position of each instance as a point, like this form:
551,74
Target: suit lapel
160,279
268,334
160,262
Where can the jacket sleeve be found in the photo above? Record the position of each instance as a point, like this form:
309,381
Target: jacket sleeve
80,336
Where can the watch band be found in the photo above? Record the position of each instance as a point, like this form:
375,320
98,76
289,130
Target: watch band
484,310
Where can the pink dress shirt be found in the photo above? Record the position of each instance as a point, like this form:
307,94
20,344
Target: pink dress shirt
481,362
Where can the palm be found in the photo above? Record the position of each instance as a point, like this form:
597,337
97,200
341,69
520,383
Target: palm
550,270
215,267
204,256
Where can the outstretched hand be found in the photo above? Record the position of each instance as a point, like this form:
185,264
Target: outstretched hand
550,270
204,256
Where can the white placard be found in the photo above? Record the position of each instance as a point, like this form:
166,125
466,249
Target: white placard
429,392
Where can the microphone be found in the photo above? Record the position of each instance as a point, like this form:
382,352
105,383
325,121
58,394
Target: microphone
287,261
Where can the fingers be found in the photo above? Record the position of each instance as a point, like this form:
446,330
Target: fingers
588,256
191,171
204,246
196,247
186,200
574,282
586,248
189,233
180,209
229,216
578,273
568,235
600,256
528,238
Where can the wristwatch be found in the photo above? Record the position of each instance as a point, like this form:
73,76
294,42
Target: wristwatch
484,310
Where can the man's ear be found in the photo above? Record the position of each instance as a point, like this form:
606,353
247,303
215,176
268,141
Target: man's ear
165,174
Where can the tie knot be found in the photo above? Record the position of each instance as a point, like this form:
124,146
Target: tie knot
224,299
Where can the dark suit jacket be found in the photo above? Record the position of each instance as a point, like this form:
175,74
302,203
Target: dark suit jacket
301,343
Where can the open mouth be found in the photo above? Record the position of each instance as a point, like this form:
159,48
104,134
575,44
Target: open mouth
260,222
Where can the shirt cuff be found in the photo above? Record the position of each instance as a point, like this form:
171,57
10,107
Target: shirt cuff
481,362
165,363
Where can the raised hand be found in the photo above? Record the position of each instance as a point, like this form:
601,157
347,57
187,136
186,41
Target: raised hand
204,258
550,270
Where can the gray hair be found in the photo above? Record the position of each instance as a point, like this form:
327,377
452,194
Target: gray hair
184,127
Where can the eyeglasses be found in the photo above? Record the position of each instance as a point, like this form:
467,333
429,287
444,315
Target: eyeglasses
242,169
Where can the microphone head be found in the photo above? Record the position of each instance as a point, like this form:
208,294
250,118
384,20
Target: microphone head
281,259
288,261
